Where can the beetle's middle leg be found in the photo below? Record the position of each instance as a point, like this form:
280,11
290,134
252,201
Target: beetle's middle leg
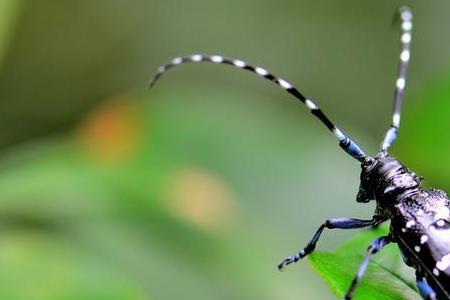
424,288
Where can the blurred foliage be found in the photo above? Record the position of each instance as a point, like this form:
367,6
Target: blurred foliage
8,16
426,138
197,189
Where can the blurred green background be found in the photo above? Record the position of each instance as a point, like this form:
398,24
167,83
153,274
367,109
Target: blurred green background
196,189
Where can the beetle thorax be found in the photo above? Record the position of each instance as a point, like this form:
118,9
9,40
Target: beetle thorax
387,181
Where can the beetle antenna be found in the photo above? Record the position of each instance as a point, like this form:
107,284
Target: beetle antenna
405,42
346,143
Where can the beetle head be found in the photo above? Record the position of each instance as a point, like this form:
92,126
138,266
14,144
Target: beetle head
375,172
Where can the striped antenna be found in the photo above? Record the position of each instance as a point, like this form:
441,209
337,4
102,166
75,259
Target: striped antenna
346,143
406,25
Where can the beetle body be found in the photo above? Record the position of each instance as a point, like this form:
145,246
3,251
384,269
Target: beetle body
419,218
421,230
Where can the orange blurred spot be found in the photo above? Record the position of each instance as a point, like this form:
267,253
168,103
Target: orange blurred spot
199,197
112,132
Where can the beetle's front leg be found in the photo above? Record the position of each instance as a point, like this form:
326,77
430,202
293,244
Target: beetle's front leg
339,223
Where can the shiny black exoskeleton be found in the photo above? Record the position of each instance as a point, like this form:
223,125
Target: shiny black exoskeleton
420,224
420,219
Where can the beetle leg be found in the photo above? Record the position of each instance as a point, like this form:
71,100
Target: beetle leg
339,223
424,288
378,220
376,246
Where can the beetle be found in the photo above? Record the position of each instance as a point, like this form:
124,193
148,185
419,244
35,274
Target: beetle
419,219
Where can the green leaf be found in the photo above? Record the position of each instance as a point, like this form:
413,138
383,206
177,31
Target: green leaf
380,281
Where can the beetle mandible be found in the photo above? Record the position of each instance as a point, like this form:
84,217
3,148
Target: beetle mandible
420,219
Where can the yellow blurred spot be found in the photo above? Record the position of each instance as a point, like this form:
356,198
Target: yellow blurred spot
201,198
112,132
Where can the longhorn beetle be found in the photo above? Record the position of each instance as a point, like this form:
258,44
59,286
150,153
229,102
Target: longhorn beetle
420,219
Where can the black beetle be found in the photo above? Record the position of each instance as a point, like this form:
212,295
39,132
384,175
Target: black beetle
420,219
